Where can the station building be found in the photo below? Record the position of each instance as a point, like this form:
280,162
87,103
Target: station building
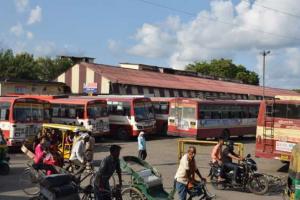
10,86
140,79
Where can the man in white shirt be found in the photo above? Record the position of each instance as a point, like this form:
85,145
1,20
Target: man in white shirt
185,175
78,152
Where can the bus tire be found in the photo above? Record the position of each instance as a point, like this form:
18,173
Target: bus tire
122,134
226,134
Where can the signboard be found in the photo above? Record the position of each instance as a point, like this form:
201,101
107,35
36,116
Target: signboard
20,89
90,88
284,146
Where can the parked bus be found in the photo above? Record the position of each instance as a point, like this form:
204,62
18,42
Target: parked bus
161,108
278,127
22,117
128,115
212,118
90,113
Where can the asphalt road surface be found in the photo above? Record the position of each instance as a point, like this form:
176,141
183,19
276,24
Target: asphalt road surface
162,154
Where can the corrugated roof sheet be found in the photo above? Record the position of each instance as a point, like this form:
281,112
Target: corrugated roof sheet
164,80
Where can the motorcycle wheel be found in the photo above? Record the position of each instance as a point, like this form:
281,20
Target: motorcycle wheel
215,184
258,185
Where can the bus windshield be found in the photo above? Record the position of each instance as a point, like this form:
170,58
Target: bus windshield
183,112
97,110
28,112
143,111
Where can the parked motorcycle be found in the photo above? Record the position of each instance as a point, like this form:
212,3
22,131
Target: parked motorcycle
247,177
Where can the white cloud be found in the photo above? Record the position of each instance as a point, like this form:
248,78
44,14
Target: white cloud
224,31
35,15
17,30
21,5
49,48
45,49
29,35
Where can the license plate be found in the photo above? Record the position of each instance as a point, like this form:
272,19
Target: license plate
284,157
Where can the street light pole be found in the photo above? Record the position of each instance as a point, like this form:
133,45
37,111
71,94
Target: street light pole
264,54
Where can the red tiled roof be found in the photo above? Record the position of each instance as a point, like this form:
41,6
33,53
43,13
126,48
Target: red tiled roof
164,80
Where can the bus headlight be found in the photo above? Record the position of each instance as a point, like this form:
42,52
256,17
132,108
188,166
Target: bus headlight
193,123
172,121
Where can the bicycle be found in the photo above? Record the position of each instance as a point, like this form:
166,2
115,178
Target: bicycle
29,180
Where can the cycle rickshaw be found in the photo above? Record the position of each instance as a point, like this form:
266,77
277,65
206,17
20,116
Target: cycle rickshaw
146,182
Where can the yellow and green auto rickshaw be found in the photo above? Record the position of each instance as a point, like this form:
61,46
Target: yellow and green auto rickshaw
63,131
293,184
4,159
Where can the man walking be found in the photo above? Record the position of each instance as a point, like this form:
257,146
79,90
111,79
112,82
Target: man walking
142,146
108,166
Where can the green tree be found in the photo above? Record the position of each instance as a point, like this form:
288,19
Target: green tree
224,68
25,66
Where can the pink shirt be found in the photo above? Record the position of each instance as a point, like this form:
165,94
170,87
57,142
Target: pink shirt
216,153
39,154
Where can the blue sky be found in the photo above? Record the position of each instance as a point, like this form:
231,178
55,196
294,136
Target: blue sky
137,31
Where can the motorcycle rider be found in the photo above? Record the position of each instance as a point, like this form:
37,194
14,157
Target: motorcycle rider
227,155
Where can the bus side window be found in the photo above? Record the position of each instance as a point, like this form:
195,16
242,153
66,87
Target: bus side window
79,113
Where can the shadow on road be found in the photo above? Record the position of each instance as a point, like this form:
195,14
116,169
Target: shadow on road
4,197
284,168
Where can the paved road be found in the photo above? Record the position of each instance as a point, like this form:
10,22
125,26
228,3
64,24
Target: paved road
162,153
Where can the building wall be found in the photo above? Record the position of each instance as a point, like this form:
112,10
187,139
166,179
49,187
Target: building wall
31,88
77,76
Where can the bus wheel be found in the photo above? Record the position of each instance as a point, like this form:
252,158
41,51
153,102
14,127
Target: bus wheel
226,134
122,134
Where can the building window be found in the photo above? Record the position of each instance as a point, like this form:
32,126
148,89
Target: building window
140,90
151,91
180,93
115,88
171,93
161,92
128,89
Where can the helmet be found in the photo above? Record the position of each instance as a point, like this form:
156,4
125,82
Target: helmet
230,144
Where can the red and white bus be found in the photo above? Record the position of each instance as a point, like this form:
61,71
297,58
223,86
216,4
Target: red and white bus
128,115
22,117
212,118
90,113
161,108
278,127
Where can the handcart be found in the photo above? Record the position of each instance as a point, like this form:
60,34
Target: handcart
146,182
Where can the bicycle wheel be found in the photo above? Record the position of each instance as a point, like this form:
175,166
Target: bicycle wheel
132,194
28,181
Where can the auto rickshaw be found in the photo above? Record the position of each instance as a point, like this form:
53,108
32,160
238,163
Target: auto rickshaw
293,184
4,159
63,131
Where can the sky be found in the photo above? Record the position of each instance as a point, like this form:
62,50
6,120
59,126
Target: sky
164,33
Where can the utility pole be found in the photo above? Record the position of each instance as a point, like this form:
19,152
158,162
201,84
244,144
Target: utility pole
264,54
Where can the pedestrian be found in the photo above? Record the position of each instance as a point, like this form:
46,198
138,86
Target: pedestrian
89,148
109,165
185,175
142,146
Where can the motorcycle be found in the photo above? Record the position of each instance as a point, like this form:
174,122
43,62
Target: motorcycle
247,177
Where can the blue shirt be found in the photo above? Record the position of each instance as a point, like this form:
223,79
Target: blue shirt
141,143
